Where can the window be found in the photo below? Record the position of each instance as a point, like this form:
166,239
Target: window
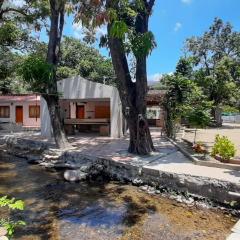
34,111
4,112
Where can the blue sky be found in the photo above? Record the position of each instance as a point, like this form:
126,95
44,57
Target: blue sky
172,22
175,20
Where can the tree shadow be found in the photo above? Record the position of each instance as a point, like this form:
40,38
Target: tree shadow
136,210
50,200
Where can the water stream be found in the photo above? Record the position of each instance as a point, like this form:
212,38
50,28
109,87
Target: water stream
56,209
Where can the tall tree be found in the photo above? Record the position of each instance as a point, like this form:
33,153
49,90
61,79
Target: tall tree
41,75
127,33
218,43
16,23
57,12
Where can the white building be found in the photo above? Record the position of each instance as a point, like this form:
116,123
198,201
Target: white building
86,106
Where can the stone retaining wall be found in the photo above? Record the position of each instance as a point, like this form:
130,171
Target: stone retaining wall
79,167
213,189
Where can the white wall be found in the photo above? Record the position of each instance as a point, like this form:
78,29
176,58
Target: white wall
79,88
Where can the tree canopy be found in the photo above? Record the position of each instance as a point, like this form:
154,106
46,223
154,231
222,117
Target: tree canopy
216,58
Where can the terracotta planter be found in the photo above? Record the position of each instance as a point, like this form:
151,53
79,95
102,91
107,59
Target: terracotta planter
231,161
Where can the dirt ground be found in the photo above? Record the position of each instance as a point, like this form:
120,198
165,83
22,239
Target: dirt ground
207,136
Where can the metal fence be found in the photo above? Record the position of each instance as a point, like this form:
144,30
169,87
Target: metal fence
231,119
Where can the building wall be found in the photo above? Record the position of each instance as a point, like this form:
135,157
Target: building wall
79,88
89,108
26,120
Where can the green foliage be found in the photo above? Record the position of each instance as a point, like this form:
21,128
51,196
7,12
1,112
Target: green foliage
78,58
184,99
10,81
66,72
143,44
11,34
198,116
230,109
37,73
216,57
119,29
224,148
12,204
185,67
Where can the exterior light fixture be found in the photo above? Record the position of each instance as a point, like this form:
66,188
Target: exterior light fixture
140,116
127,111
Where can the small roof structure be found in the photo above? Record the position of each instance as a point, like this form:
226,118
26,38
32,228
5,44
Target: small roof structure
82,90
20,98
155,97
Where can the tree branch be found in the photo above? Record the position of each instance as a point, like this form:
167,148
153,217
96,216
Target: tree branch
9,9
149,5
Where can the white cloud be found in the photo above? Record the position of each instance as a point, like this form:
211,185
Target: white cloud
155,77
79,31
177,27
186,1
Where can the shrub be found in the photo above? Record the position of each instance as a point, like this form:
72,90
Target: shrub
12,204
223,147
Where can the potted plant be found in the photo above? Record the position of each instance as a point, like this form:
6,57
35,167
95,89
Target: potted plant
199,147
223,150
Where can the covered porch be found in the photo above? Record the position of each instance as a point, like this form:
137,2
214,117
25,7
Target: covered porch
89,115
86,106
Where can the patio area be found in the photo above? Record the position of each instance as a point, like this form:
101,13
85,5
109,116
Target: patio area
168,158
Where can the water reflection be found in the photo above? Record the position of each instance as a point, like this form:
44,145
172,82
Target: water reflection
60,210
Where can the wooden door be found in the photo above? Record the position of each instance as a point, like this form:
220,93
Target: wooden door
102,112
80,112
19,114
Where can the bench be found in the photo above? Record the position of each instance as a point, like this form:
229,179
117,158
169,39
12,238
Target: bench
103,123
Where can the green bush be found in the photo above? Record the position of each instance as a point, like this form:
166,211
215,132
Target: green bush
224,148
12,204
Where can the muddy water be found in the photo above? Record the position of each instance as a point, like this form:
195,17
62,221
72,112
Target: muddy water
59,210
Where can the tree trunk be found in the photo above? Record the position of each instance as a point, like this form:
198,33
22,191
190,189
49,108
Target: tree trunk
217,115
52,98
56,121
1,11
169,124
133,94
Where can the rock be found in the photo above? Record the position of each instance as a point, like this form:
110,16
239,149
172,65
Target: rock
179,199
151,190
157,191
190,200
3,231
51,157
4,238
75,175
144,188
34,159
137,182
98,167
47,164
85,168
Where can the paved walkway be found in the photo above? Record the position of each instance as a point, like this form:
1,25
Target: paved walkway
168,158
